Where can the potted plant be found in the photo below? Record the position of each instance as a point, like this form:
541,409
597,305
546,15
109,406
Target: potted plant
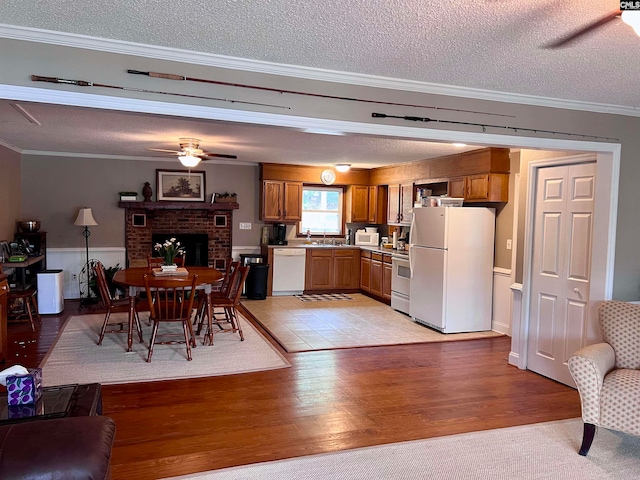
169,250
225,197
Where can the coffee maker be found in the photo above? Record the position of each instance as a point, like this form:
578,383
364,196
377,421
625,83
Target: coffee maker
279,234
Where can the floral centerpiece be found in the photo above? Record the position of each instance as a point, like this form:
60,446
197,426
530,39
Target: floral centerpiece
169,250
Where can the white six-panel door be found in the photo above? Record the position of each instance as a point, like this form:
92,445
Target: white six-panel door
561,267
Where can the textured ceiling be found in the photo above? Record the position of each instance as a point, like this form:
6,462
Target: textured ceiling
485,44
90,132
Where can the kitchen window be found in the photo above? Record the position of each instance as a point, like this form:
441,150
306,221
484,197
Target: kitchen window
321,210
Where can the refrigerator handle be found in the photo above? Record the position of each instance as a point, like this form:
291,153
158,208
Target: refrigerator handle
410,261
412,230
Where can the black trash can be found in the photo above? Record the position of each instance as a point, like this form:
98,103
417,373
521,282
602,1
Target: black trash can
256,283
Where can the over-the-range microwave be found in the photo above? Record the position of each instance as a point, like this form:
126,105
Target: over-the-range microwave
367,238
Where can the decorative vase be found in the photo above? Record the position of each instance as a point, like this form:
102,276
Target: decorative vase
169,268
147,192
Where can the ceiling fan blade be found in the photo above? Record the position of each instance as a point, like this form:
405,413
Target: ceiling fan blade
163,150
583,31
218,155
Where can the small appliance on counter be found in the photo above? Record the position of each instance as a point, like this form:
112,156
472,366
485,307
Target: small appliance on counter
279,234
367,238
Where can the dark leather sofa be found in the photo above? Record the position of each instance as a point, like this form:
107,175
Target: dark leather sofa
71,448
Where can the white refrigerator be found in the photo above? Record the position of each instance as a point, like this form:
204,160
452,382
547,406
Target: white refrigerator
451,261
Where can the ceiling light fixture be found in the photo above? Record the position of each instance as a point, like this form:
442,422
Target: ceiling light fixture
459,144
189,160
632,18
343,167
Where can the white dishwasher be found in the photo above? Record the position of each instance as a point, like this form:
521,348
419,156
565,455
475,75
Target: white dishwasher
288,270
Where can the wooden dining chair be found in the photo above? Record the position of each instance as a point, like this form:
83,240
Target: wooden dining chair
229,304
171,300
222,291
29,305
121,305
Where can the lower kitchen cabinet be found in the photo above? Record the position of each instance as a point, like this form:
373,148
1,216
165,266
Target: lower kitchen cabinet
335,269
387,270
375,275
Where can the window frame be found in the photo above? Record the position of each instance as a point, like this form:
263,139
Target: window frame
341,209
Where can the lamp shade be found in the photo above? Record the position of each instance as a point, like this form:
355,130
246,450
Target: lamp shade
85,218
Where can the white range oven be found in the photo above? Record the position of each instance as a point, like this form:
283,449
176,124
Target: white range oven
400,284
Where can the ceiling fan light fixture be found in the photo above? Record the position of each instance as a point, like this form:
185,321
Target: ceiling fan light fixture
189,160
343,167
632,18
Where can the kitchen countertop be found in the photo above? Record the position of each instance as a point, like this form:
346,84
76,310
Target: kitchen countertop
387,251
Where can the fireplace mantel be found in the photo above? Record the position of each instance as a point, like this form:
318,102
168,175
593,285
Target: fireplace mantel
178,206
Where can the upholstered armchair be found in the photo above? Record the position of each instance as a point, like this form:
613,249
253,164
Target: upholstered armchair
608,374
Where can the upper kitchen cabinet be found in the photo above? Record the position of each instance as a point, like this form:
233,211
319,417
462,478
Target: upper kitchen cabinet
357,203
400,204
488,187
377,204
281,201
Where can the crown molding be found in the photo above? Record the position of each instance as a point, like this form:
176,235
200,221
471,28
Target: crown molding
100,156
310,73
11,146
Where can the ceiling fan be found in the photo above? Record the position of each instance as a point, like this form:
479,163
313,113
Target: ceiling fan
629,17
191,154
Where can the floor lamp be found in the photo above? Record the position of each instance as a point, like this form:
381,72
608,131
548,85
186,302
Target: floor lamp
85,219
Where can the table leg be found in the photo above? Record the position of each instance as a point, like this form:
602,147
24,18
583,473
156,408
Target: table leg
132,319
209,316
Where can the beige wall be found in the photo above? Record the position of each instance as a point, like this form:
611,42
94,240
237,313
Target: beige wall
10,194
54,188
504,219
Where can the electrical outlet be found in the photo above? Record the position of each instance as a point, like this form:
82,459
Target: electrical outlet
74,277
508,244
245,226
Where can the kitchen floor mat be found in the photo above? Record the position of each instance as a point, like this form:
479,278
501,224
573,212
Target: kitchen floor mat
319,297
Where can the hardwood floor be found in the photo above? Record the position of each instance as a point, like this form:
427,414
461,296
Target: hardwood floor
327,401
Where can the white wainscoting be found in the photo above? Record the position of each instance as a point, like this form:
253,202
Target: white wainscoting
501,321
516,322
73,260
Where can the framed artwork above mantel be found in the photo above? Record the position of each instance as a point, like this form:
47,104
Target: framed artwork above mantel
180,186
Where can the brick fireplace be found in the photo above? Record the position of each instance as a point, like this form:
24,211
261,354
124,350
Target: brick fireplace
145,219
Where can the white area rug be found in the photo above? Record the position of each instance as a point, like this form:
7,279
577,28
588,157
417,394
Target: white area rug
533,452
76,357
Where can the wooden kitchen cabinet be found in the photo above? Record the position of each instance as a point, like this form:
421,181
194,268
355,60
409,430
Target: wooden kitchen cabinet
281,201
357,203
365,271
377,204
400,204
346,269
387,271
4,293
332,269
486,187
376,274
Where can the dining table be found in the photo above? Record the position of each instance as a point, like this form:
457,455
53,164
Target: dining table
133,279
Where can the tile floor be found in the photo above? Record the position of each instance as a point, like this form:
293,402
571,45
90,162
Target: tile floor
303,326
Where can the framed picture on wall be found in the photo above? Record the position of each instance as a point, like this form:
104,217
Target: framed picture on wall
180,186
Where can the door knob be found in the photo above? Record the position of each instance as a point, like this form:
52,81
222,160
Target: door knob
577,292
